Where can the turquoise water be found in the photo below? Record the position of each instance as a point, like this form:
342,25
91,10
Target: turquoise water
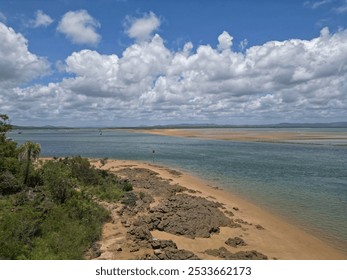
305,183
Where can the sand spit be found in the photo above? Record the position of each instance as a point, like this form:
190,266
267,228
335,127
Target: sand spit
172,215
248,135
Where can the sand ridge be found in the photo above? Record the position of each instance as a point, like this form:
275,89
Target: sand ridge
248,135
261,231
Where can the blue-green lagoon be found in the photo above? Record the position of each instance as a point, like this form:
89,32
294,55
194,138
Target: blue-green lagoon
304,183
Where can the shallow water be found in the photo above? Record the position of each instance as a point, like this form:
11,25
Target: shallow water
305,183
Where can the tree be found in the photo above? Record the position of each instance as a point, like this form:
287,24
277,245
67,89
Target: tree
8,148
4,125
28,152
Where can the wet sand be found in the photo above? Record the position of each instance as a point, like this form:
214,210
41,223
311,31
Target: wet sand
248,135
262,231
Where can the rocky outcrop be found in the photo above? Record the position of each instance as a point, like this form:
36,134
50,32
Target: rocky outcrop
223,253
150,181
140,236
188,215
157,204
167,250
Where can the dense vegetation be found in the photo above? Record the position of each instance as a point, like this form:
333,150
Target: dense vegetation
50,210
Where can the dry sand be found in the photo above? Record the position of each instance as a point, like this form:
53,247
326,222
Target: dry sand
248,135
261,230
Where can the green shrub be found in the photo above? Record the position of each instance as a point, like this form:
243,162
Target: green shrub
106,191
62,238
70,229
54,215
18,229
127,187
83,171
80,207
9,184
58,178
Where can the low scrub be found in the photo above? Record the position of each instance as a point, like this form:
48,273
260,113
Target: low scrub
58,216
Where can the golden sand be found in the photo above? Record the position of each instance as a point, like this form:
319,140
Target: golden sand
278,239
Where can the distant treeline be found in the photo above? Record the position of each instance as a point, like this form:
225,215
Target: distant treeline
174,126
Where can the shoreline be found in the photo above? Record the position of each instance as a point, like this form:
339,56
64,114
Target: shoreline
263,231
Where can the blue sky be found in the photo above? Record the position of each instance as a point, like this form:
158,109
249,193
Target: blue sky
137,62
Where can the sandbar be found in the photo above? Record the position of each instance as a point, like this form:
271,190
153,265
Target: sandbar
248,135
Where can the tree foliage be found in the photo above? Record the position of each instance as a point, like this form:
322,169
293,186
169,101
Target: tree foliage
27,153
50,211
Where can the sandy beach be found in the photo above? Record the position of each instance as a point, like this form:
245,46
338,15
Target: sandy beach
247,135
147,229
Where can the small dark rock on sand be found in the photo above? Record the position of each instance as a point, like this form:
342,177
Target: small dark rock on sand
259,227
235,242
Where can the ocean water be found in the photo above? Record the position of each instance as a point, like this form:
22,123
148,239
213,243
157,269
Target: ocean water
304,183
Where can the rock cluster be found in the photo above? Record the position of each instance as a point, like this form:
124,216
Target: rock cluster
167,250
150,181
176,211
242,255
140,237
188,215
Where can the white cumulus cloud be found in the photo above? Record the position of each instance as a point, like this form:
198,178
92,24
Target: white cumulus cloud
41,19
290,80
225,41
80,27
17,63
142,28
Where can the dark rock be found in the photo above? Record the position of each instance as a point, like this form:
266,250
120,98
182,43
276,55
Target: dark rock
143,178
231,214
163,244
249,255
259,227
167,250
223,253
235,242
190,216
134,248
240,221
156,244
129,199
215,230
175,172
119,248
140,236
171,254
174,254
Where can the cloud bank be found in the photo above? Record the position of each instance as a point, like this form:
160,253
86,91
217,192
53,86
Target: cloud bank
291,80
